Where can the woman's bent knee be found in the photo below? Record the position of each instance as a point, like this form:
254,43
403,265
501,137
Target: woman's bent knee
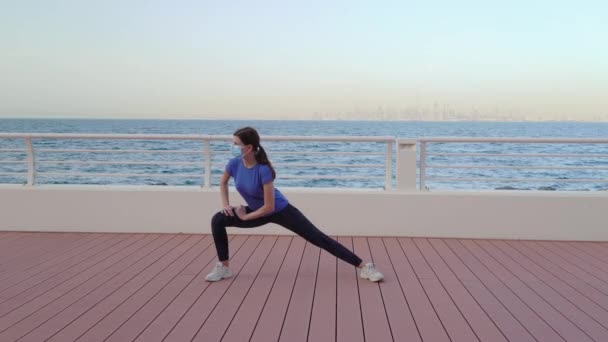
218,221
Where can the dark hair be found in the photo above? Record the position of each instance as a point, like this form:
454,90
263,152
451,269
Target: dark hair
249,136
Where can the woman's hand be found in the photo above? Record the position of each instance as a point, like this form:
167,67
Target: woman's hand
240,212
228,210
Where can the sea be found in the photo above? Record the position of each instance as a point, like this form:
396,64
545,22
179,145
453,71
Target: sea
591,162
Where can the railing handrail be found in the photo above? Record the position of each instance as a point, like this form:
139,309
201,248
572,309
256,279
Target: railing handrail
514,140
388,151
206,151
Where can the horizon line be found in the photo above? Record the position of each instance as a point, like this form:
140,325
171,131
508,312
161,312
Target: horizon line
293,119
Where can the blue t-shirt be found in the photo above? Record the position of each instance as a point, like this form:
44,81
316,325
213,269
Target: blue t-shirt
250,184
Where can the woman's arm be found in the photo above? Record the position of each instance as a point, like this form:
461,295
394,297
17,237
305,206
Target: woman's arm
266,209
226,208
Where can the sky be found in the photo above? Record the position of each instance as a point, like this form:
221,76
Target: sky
542,60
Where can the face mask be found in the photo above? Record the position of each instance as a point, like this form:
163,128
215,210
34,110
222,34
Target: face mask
236,151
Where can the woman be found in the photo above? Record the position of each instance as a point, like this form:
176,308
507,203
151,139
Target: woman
254,180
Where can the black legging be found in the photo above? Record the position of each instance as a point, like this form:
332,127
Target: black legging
290,218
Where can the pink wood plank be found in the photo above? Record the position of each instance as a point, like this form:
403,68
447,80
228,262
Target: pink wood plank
191,322
349,324
576,277
89,242
214,327
35,255
562,282
243,324
265,256
599,248
165,322
323,317
375,320
34,298
136,323
18,285
105,326
46,240
397,308
599,259
603,244
11,253
554,318
16,238
8,239
583,260
22,238
482,325
297,319
151,278
43,256
23,242
151,288
593,249
453,321
136,273
576,266
270,322
7,234
524,314
553,290
427,321
61,262
32,243
56,300
23,292
16,253
504,320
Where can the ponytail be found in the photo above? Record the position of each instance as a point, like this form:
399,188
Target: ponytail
262,158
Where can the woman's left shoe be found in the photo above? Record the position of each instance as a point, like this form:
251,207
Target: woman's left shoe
370,272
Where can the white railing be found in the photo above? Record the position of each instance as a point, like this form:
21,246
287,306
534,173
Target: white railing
206,151
532,157
213,151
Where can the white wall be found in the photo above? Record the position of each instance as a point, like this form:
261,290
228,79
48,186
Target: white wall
503,215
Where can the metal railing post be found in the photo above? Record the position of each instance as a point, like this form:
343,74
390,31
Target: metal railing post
207,181
31,162
423,166
406,164
388,184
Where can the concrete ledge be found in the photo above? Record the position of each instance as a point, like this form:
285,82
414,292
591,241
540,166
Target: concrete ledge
497,214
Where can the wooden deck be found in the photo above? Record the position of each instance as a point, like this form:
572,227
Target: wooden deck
143,287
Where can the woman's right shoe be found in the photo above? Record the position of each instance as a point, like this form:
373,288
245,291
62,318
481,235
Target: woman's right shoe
219,272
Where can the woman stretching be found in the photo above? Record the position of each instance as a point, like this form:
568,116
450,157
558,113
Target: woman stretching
254,180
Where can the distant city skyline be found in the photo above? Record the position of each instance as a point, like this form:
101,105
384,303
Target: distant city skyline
381,114
383,60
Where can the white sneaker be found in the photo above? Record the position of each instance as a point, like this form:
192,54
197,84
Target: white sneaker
370,272
219,272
